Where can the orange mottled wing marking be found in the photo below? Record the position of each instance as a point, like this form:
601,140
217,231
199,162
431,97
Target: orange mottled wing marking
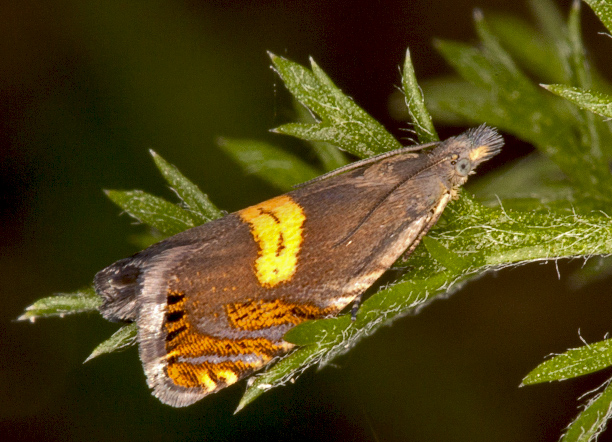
259,314
198,360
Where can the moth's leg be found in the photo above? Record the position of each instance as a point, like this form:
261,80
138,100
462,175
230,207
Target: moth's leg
355,307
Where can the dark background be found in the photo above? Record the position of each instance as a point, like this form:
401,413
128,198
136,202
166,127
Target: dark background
86,88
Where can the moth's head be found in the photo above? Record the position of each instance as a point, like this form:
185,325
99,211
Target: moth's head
466,151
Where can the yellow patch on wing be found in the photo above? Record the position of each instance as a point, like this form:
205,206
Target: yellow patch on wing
206,382
276,225
228,376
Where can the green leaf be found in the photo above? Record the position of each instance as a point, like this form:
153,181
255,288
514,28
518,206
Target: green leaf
573,363
454,111
202,209
528,47
506,99
317,332
122,338
268,162
581,76
494,52
591,422
344,124
330,156
580,69
444,256
82,301
579,143
415,103
590,100
603,9
156,212
275,375
547,56
553,25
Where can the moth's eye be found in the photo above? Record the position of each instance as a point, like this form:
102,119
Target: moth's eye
463,166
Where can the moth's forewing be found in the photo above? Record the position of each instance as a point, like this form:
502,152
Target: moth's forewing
214,302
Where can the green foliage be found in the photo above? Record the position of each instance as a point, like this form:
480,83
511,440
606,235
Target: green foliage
166,217
63,304
269,162
200,207
343,123
415,102
594,101
122,338
573,363
494,88
169,219
552,204
592,421
329,155
603,9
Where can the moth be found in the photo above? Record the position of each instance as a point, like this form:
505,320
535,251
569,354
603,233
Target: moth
212,303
